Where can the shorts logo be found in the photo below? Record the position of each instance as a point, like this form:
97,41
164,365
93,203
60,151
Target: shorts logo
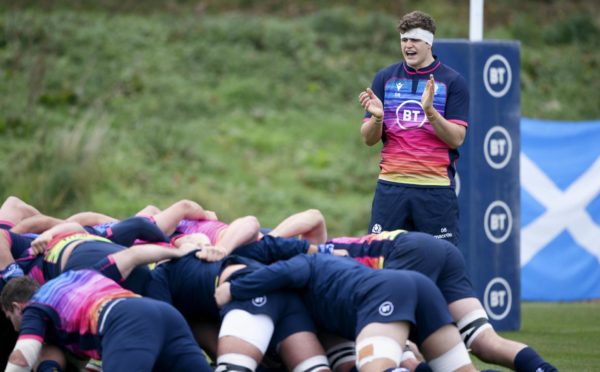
497,298
497,147
376,229
497,75
386,308
444,234
259,301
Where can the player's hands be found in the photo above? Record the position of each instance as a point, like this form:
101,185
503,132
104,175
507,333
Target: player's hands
186,248
210,215
211,253
427,97
371,103
40,244
223,294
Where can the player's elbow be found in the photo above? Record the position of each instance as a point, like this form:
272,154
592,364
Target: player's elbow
251,225
370,141
456,143
252,222
456,138
369,135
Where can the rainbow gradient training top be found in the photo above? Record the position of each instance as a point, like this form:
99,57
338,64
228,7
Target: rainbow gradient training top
66,311
412,154
210,228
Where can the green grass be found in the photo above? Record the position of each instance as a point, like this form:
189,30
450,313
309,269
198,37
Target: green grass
565,334
246,107
250,108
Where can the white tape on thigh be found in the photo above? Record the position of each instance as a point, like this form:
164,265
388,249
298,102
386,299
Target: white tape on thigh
314,364
377,347
451,360
30,349
15,368
254,329
471,326
341,353
238,360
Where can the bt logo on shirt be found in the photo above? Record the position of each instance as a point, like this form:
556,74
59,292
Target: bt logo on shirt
410,115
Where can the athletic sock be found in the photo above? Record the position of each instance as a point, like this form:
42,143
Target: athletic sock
49,366
423,367
528,360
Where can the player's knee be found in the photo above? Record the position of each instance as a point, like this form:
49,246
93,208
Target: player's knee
472,326
313,364
377,347
342,354
235,362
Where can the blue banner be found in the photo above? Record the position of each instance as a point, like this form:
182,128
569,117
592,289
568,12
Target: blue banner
560,210
487,176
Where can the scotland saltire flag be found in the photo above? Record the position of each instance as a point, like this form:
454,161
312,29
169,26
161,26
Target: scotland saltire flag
560,210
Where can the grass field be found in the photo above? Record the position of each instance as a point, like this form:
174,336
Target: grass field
107,107
565,334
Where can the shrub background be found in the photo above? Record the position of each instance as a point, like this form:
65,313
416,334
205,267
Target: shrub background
247,107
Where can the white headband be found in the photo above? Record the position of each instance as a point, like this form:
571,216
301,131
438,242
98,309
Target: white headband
419,34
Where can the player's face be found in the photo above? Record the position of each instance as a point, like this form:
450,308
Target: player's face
416,53
15,316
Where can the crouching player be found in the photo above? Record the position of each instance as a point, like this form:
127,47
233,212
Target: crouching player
443,263
93,317
381,309
277,322
188,284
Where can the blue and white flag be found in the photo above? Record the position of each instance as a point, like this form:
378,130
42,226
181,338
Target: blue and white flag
560,210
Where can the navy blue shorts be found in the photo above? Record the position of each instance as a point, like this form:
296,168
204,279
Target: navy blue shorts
141,334
286,309
188,284
93,255
402,295
126,232
437,259
427,209
19,243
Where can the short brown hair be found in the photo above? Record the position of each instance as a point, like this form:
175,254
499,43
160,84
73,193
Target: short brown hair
19,289
416,19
